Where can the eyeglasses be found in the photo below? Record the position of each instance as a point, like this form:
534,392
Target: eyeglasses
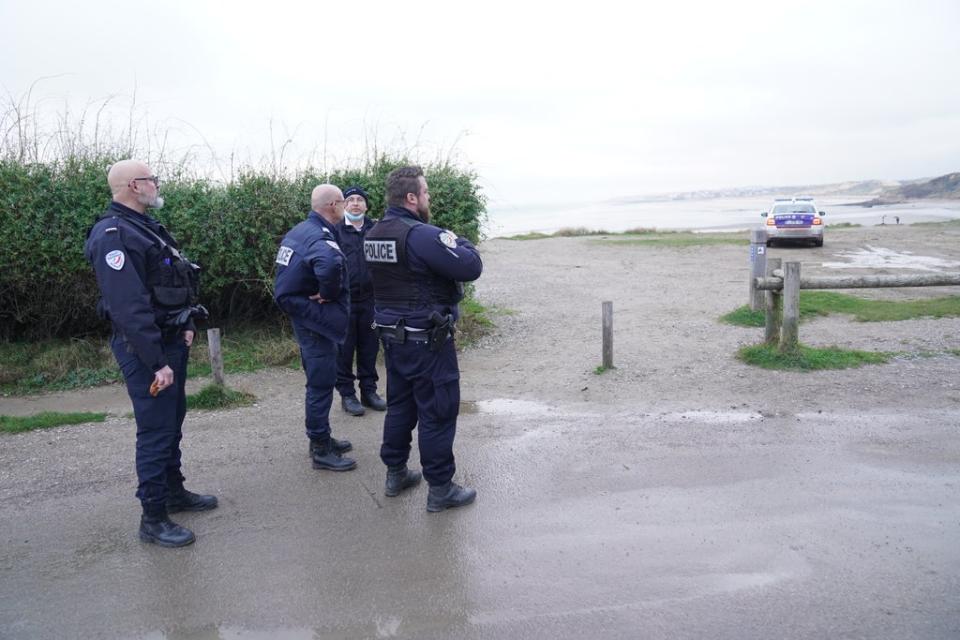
154,179
338,201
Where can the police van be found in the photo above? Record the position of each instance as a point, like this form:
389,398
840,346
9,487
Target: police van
794,219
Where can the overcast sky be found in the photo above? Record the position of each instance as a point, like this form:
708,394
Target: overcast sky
545,101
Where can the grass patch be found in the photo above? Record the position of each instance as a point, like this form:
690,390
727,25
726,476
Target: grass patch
844,225
45,420
246,349
533,235
213,396
475,321
745,317
822,303
59,365
643,236
55,365
676,239
575,232
600,370
809,358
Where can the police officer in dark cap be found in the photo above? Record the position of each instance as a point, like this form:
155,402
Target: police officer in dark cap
148,292
417,271
312,287
361,339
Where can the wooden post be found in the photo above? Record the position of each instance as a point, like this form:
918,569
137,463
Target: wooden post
216,356
774,307
758,266
607,335
790,333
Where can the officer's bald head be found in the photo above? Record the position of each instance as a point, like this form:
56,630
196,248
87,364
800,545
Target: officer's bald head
327,200
122,173
133,184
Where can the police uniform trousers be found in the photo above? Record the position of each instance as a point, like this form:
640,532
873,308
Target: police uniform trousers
318,354
362,341
159,419
423,391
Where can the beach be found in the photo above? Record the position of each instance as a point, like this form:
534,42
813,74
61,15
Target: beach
713,214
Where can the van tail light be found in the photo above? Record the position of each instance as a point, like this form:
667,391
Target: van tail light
771,222
817,221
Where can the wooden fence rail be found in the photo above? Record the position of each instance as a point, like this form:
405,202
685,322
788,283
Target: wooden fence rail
782,287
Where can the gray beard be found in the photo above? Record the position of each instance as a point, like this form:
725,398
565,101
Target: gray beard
156,203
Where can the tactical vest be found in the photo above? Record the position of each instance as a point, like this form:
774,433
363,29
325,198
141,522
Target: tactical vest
174,292
394,283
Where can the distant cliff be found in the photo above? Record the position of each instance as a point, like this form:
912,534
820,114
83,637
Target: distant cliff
945,187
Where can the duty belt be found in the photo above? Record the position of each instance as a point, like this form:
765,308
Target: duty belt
399,333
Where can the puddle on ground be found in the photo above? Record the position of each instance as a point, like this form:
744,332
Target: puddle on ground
385,628
505,406
880,258
712,417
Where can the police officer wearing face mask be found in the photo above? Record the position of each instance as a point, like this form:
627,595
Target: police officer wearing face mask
148,292
312,287
417,271
361,339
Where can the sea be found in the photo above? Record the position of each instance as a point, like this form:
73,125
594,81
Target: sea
704,215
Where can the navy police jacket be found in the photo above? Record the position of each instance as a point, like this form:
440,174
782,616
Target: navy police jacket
142,283
351,242
417,269
309,262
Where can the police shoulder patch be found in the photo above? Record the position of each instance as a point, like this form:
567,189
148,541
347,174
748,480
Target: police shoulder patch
284,255
334,245
448,239
115,259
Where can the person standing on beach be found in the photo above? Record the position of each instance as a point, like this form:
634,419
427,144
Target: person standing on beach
148,292
361,338
417,269
312,288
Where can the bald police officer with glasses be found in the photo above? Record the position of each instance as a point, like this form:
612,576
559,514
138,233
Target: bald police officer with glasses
148,293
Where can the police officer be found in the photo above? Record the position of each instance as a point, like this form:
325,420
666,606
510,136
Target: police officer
361,339
312,287
417,269
148,292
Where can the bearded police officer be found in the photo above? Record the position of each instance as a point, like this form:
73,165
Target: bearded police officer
361,339
148,292
417,269
312,287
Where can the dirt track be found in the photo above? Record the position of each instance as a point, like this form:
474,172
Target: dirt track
683,494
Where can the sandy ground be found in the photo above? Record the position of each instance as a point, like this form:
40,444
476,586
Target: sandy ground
682,494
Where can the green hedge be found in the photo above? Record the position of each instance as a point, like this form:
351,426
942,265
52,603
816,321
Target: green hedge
231,230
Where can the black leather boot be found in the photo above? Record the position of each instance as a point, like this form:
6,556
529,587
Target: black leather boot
449,495
372,400
157,528
352,406
326,457
182,500
400,478
340,446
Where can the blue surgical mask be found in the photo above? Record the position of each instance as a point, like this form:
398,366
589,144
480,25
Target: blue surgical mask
353,218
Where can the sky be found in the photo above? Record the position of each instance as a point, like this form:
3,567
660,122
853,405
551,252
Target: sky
546,102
